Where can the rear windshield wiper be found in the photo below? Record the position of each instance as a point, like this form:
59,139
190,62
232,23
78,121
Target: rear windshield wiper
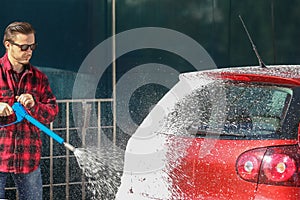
218,133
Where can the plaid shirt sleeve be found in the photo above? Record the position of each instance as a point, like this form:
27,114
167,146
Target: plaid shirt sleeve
45,108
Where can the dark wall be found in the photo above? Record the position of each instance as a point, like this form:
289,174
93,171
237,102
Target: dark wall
273,25
68,30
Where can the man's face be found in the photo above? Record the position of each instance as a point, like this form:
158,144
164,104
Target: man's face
14,50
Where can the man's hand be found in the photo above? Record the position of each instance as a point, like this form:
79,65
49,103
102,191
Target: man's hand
26,100
5,109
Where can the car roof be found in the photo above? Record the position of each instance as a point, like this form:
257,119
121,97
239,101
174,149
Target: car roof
274,74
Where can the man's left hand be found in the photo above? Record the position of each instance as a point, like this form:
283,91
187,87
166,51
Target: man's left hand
26,100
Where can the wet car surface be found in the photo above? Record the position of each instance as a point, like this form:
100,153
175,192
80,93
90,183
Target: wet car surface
240,136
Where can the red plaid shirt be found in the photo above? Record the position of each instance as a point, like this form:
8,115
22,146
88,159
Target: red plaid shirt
20,144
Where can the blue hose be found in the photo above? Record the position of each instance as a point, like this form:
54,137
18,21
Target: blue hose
21,113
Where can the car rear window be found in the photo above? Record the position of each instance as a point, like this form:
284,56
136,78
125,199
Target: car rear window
239,110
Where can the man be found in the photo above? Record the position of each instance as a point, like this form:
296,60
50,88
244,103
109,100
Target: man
20,144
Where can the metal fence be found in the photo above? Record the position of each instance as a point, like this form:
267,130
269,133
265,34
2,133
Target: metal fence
80,122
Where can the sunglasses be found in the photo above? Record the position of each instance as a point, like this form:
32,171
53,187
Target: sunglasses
25,47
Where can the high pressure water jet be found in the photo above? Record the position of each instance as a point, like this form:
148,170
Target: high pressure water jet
21,114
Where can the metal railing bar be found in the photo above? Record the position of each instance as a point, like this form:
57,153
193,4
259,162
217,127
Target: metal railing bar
48,157
83,100
67,151
51,167
75,128
49,185
99,124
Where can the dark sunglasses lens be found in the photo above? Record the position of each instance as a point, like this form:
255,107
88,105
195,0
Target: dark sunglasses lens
33,46
25,47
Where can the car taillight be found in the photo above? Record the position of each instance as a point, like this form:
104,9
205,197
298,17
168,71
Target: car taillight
248,164
278,165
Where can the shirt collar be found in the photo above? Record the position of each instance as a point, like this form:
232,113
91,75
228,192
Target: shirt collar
7,66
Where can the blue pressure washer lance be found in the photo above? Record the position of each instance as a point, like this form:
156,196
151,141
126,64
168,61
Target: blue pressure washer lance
21,113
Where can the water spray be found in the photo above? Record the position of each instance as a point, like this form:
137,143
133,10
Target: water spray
21,113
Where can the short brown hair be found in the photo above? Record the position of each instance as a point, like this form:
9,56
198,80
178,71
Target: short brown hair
17,27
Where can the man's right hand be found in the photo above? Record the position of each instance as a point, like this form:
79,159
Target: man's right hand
5,110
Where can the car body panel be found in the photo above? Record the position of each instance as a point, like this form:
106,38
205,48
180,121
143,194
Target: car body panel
277,192
212,174
201,174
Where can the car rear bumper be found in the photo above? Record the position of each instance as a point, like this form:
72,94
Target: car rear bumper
277,192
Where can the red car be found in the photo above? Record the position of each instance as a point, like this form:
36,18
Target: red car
236,135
